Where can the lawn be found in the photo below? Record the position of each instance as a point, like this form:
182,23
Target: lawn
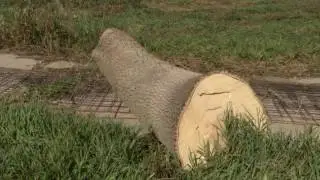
41,143
247,37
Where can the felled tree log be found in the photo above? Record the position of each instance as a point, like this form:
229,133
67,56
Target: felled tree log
153,89
183,108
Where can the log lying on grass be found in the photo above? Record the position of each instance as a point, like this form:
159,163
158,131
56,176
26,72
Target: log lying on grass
154,90
183,108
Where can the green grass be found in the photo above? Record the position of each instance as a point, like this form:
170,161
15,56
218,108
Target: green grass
40,143
37,142
280,33
59,84
54,90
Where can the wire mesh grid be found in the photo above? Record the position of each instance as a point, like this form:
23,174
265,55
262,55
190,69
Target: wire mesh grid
96,96
10,80
289,103
285,103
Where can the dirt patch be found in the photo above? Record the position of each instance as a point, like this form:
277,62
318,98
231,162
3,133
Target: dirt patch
281,67
196,5
166,7
192,64
107,9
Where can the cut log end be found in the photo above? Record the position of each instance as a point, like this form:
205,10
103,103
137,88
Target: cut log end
201,121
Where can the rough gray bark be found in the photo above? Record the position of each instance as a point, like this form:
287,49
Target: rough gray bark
153,89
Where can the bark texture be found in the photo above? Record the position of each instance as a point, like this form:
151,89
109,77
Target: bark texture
154,90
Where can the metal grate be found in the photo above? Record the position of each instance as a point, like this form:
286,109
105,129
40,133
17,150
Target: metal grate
285,103
99,104
94,96
10,80
289,103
